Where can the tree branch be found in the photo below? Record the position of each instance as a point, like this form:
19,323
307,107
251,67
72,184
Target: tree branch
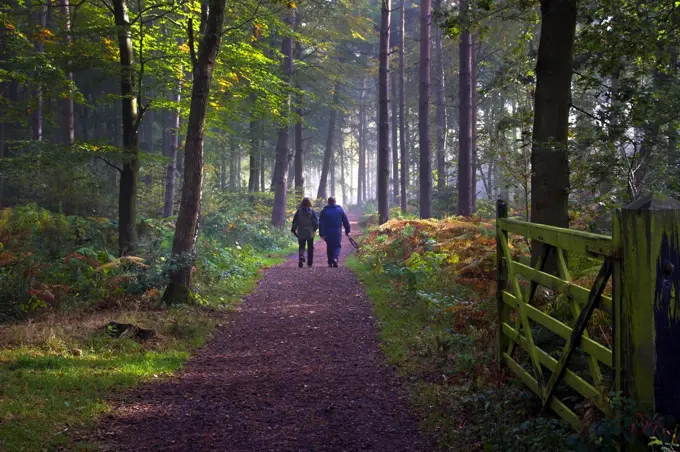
120,170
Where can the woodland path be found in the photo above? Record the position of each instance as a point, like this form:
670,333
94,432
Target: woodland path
298,368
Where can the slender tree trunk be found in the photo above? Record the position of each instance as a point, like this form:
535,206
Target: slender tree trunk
282,146
127,200
233,167
328,155
465,135
383,114
424,111
299,154
473,122
394,123
173,144
361,193
254,173
67,103
263,161
38,91
403,133
440,113
187,227
343,181
549,156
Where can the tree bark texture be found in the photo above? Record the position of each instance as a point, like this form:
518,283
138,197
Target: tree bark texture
282,145
424,111
394,124
403,122
187,226
473,122
38,91
361,190
440,113
127,196
383,165
322,193
549,153
173,145
67,110
465,121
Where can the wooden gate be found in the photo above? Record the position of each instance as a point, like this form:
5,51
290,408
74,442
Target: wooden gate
542,371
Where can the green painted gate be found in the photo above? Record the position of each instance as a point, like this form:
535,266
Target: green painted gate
640,261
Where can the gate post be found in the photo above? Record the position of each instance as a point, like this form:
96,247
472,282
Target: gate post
647,329
501,278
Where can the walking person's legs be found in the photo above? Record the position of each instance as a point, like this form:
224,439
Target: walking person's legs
310,252
301,252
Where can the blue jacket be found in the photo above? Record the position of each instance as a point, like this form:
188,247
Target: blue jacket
331,221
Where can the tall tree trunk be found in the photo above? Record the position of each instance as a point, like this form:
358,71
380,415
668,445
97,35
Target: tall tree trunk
254,174
282,146
187,227
403,121
440,113
361,191
67,102
233,167
424,111
341,156
383,114
328,154
299,152
473,122
465,121
549,156
394,121
38,91
173,144
263,161
332,172
127,199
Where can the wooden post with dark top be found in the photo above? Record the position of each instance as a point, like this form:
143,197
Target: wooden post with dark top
649,321
501,280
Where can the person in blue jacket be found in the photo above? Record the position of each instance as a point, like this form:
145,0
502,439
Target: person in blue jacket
331,222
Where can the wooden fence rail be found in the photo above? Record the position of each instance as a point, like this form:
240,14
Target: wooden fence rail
639,262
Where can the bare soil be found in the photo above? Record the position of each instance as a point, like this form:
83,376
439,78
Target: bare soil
298,368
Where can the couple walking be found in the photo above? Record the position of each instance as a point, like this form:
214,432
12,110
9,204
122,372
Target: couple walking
329,223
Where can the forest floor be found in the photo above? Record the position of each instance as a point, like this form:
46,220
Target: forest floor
298,368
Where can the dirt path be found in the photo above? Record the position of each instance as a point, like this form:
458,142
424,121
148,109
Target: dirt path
297,369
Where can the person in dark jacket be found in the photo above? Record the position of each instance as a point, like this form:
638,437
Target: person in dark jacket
331,221
305,224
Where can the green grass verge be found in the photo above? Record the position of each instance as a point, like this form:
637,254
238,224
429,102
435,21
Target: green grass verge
463,402
56,375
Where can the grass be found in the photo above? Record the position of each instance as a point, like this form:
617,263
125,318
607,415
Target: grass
56,375
463,401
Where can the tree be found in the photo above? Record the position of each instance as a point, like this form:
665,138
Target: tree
172,145
328,154
383,114
549,153
440,114
403,121
282,146
129,175
187,226
424,111
362,195
67,112
465,120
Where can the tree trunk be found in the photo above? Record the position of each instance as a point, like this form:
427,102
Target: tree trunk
465,121
233,167
403,133
383,114
38,92
473,122
440,113
394,121
328,154
343,181
67,114
282,147
424,111
187,227
173,144
361,190
549,156
254,173
299,152
127,199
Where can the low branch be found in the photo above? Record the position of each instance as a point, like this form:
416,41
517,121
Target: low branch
120,170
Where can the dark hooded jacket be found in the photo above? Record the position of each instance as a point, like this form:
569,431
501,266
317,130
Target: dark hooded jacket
331,221
305,223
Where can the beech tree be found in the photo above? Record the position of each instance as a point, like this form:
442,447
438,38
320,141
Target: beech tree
187,227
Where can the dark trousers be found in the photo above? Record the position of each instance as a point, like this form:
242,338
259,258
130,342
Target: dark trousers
309,243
